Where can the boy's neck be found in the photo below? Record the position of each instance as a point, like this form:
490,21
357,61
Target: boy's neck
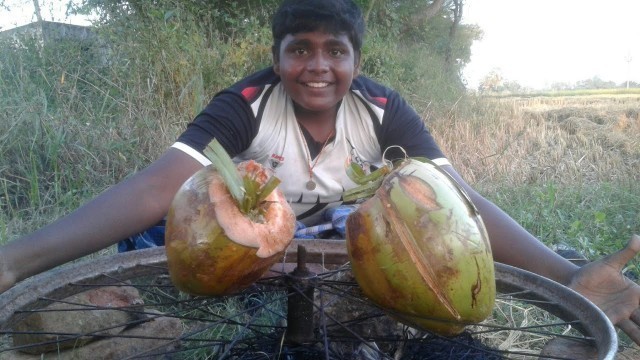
319,124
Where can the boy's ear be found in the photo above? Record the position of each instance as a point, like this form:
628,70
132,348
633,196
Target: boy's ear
356,68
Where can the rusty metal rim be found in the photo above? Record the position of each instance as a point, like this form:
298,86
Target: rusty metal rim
564,302
561,301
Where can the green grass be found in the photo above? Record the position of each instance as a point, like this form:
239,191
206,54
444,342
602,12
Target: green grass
595,219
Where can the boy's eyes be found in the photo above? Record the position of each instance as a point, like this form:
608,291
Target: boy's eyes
303,51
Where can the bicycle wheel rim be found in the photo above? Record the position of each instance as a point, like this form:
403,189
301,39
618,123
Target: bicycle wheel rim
34,292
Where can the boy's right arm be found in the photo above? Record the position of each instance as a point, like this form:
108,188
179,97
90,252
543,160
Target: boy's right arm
125,209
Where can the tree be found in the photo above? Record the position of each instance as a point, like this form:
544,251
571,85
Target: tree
36,6
424,12
513,87
595,83
561,86
456,10
492,82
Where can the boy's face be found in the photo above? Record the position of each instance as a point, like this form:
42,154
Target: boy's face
316,68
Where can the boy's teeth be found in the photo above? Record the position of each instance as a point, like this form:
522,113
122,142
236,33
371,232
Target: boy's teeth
317,85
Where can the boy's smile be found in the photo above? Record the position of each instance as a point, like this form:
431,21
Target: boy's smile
316,69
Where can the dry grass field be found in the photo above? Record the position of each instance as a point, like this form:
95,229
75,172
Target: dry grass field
565,140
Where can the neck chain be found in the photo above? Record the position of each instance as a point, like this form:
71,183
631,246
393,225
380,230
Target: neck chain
311,185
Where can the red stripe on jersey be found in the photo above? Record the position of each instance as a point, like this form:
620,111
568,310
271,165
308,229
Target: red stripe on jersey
380,101
250,93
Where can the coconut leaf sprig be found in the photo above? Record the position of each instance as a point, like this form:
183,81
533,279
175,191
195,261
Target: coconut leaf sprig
368,183
247,191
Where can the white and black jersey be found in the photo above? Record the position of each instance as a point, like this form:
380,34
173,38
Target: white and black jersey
254,119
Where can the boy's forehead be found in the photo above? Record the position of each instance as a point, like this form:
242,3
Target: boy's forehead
330,36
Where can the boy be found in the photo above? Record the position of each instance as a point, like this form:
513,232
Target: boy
305,118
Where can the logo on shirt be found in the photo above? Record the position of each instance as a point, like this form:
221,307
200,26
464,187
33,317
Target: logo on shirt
275,160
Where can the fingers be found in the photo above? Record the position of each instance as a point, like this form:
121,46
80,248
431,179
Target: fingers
634,243
7,278
631,329
6,282
622,257
635,316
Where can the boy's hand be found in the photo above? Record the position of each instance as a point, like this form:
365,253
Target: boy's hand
602,282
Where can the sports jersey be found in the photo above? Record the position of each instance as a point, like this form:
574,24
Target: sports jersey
254,119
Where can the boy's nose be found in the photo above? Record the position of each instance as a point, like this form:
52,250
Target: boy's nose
318,62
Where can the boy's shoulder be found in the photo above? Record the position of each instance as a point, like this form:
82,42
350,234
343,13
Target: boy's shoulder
253,85
373,91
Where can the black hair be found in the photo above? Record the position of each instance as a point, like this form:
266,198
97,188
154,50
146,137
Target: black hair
332,16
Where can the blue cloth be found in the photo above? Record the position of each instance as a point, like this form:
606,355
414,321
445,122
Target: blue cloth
338,216
335,225
152,237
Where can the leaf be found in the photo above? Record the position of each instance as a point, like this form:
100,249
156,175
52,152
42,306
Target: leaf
227,169
363,191
267,188
368,183
600,217
169,14
355,173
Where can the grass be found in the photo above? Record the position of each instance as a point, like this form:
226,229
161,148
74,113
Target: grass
592,218
513,314
577,92
565,141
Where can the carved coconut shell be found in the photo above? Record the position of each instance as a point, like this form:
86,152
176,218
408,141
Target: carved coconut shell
215,249
419,249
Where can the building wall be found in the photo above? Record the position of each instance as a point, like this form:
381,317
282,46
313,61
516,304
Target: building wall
50,31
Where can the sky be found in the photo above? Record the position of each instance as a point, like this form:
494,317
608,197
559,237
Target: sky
533,42
539,42
21,12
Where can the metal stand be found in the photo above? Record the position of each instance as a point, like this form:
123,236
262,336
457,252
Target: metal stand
300,324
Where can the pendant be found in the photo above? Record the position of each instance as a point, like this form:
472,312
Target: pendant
311,185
